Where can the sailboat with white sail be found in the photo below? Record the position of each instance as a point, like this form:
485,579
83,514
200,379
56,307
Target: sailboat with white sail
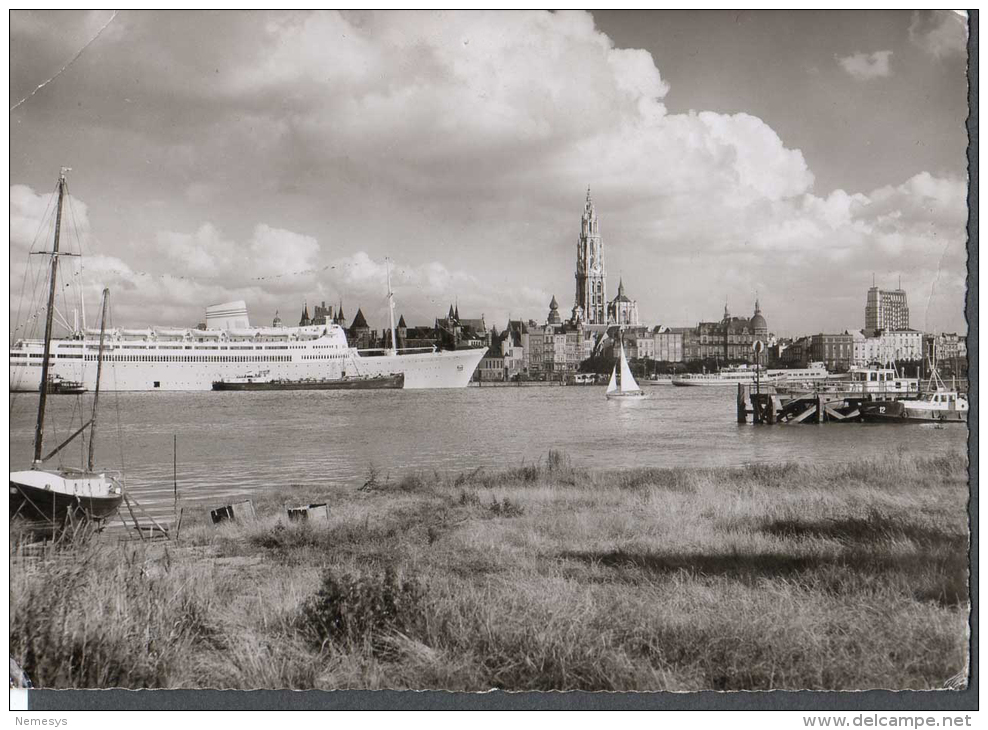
622,385
52,496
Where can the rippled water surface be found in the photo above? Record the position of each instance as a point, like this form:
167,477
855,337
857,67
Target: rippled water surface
229,442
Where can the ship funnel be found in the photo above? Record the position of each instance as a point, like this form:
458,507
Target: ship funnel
232,315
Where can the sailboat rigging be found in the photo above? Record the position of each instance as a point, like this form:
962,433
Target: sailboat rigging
622,385
52,496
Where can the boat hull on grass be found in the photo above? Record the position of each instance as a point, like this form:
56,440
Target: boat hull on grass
54,497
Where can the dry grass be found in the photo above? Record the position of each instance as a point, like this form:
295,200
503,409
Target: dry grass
538,577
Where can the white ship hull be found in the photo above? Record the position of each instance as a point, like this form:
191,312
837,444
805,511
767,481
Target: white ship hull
148,365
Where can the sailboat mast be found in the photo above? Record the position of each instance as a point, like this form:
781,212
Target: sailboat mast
43,393
99,372
393,350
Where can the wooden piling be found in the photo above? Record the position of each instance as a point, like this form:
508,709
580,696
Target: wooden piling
772,406
742,403
819,409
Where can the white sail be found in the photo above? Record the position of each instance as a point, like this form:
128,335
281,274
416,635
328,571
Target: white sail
612,385
628,383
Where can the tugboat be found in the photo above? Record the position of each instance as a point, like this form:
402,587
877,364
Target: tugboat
939,405
45,497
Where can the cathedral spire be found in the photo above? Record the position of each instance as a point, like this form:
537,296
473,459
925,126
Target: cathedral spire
591,293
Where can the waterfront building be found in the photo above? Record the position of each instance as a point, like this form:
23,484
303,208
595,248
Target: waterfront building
797,353
948,345
949,351
668,344
591,275
887,345
513,349
359,333
418,337
322,314
729,340
276,322
456,333
835,351
491,367
401,332
903,344
886,310
553,350
305,320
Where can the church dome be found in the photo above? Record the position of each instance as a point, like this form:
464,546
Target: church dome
757,324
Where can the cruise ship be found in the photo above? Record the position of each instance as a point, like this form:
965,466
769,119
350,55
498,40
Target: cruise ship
168,358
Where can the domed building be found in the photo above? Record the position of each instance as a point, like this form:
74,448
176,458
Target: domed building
622,310
758,325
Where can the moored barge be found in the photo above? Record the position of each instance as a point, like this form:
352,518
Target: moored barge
392,381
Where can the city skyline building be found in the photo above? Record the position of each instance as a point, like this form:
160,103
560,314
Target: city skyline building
886,309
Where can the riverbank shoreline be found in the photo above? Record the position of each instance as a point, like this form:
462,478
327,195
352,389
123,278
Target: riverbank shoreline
542,576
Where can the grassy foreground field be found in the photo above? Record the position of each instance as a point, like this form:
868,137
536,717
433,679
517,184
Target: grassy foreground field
849,576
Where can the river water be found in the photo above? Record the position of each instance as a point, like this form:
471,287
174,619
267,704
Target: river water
231,443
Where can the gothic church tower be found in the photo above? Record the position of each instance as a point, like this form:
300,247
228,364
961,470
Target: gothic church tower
591,293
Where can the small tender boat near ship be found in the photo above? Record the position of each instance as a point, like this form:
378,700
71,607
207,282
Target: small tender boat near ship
622,385
47,498
264,381
58,385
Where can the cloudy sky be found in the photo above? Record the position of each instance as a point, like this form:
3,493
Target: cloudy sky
279,157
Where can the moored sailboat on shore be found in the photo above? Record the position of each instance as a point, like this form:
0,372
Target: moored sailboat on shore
49,497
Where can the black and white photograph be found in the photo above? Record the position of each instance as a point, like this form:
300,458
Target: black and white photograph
535,350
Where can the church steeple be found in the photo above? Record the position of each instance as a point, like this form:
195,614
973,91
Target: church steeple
591,291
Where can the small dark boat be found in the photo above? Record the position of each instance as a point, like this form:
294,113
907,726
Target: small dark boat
61,386
262,382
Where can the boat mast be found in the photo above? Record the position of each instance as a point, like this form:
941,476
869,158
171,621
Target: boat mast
43,392
99,372
393,350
